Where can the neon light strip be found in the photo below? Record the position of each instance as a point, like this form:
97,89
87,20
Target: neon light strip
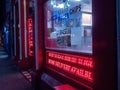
20,40
79,72
25,29
14,32
30,36
36,35
80,60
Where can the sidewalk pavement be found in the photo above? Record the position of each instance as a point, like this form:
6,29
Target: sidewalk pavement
10,77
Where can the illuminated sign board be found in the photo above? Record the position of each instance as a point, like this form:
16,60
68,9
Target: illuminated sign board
73,66
30,36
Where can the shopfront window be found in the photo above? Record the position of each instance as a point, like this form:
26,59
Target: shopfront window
68,25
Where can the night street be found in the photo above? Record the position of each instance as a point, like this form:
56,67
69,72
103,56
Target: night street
10,76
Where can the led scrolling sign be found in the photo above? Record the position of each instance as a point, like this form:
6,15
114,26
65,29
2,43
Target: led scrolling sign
78,66
30,36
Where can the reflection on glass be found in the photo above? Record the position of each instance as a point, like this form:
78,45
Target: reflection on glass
68,25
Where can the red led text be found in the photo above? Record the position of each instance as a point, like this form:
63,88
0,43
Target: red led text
79,72
30,37
80,60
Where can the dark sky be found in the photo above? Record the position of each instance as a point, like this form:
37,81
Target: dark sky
2,13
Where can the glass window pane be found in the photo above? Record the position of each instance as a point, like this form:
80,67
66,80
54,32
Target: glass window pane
68,25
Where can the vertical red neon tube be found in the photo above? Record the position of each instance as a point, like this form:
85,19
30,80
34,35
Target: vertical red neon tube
30,36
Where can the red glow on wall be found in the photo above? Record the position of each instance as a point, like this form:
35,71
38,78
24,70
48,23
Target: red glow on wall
30,36
68,63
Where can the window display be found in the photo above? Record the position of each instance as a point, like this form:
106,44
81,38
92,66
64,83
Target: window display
68,25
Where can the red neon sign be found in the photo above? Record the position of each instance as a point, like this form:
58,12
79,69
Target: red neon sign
73,70
30,37
80,60
82,70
